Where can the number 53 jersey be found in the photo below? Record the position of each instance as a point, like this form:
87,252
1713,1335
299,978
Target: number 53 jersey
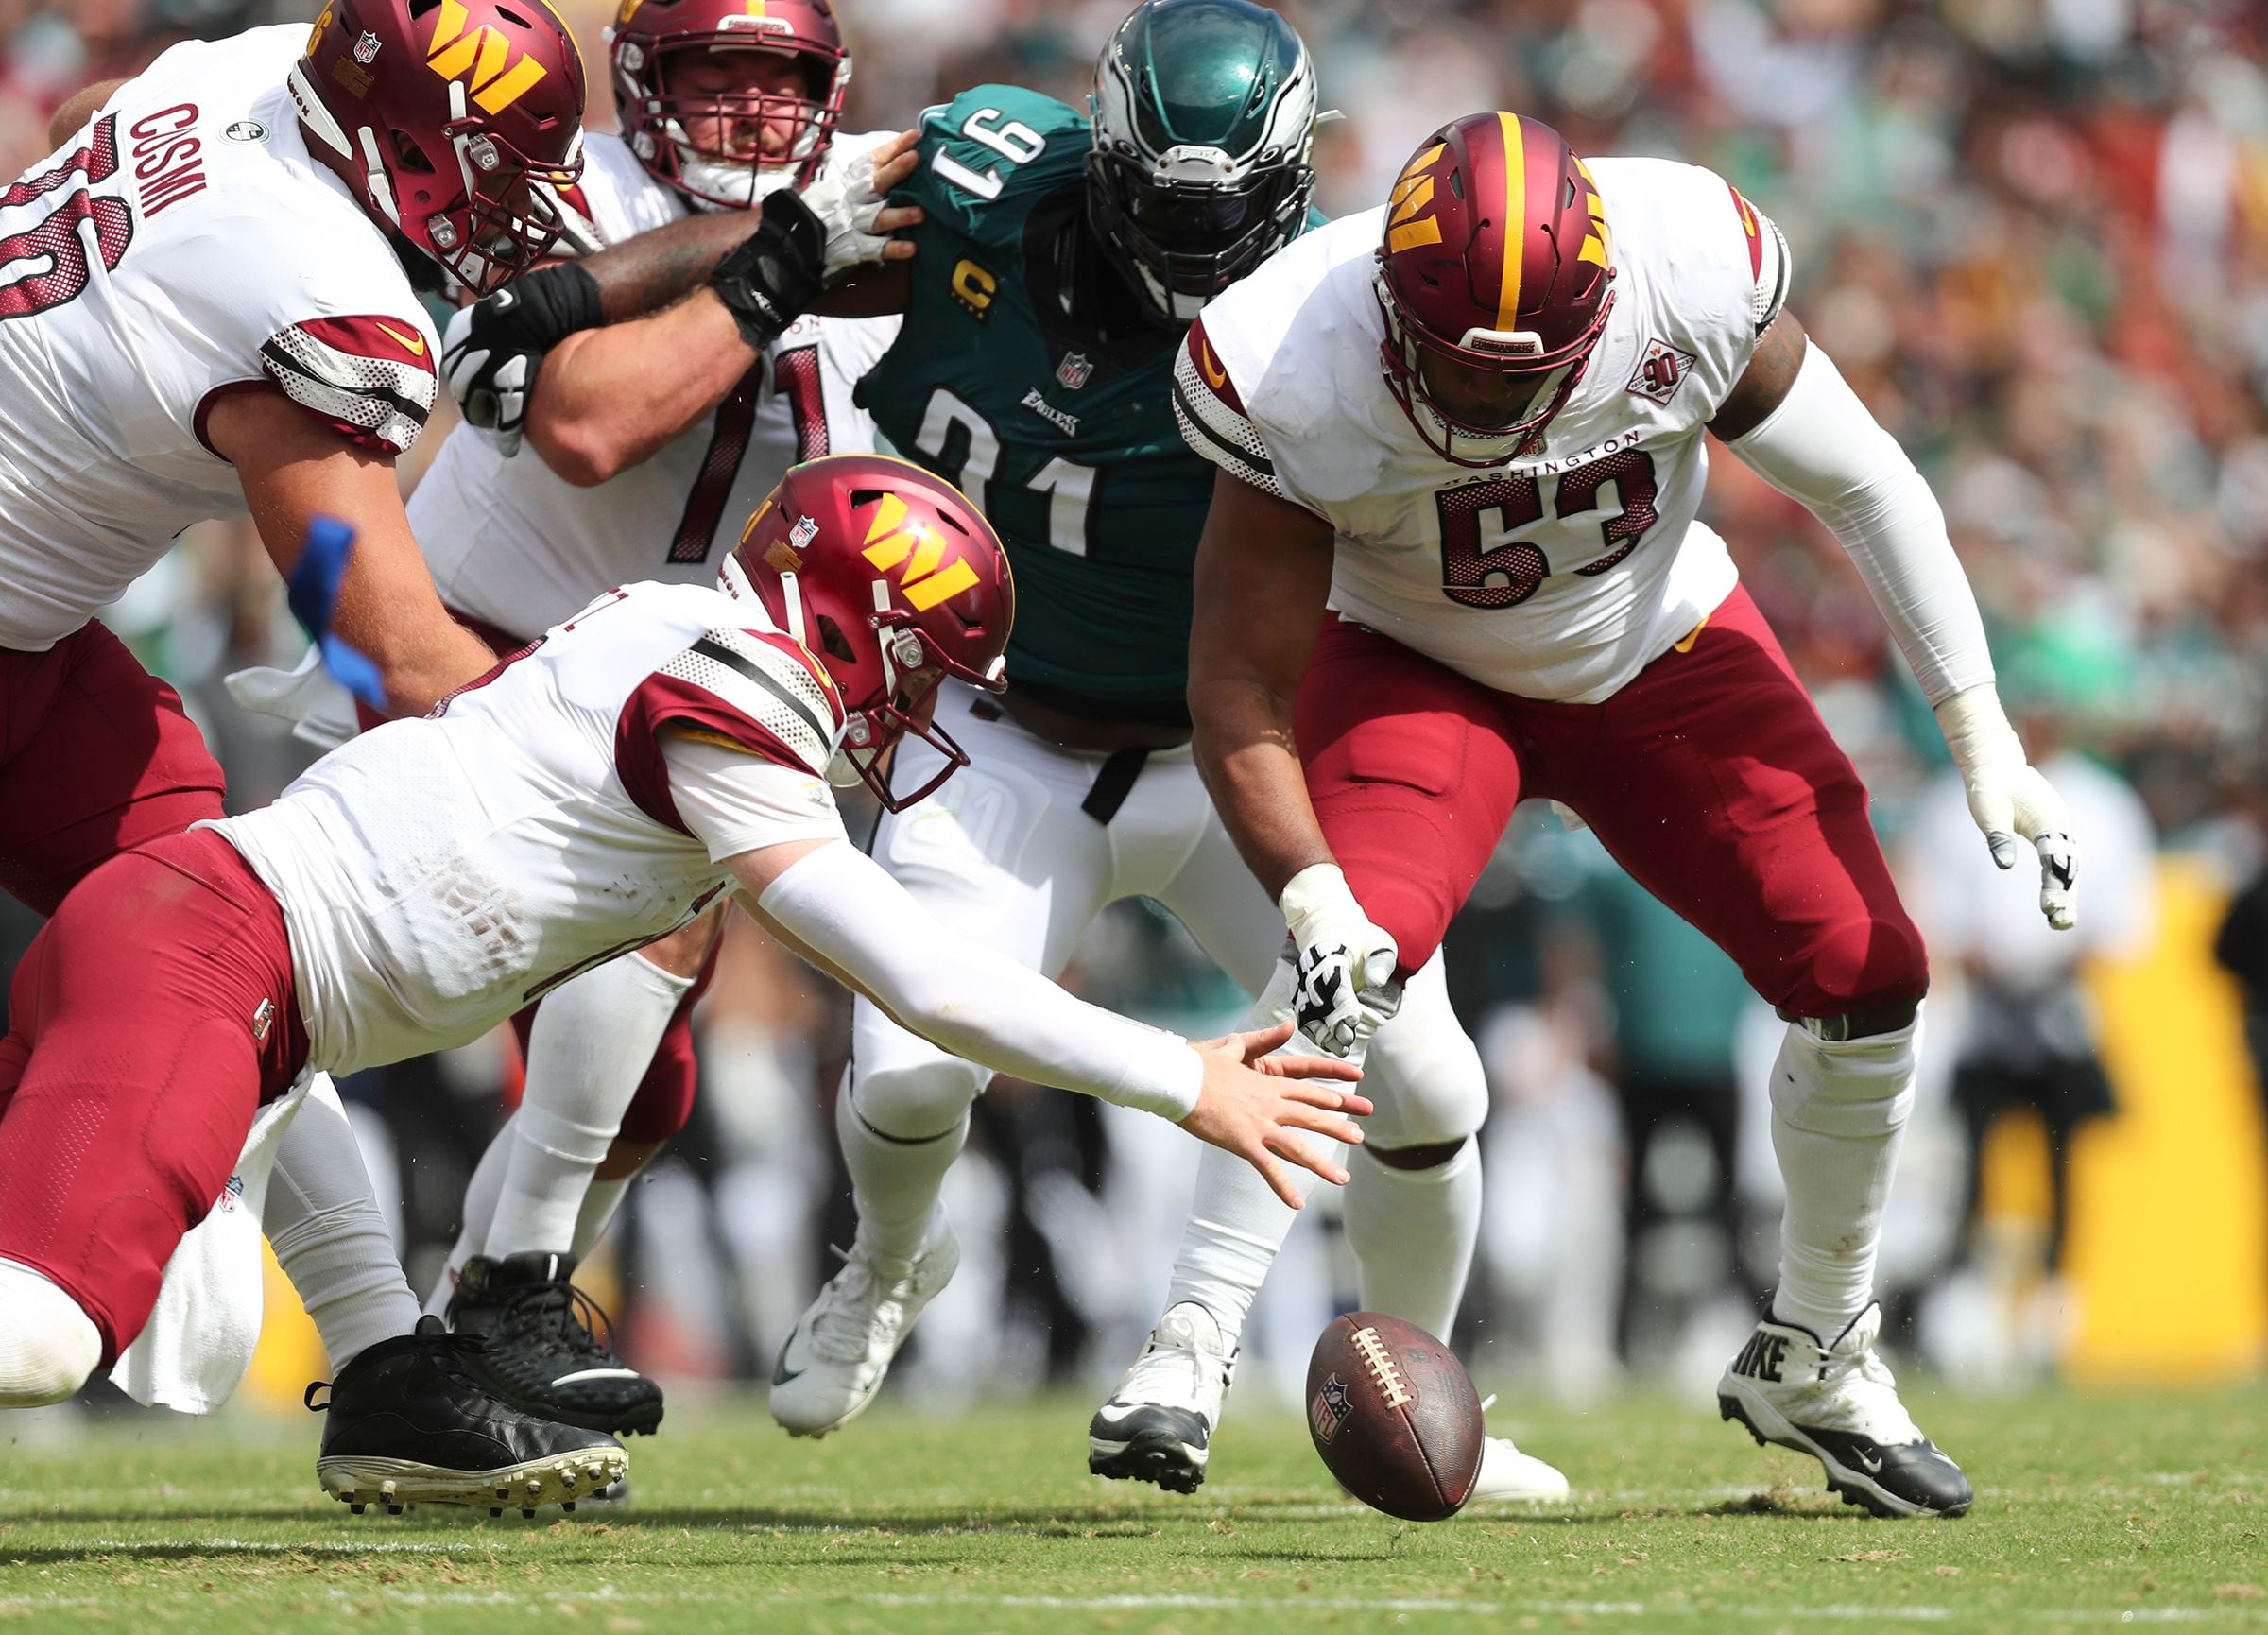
514,544
1558,575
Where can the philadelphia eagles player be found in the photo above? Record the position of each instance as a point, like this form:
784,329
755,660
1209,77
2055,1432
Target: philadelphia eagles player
1055,267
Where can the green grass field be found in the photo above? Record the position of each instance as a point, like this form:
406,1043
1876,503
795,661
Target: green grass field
2092,1511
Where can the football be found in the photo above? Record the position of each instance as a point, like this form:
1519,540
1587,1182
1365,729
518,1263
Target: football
1394,1416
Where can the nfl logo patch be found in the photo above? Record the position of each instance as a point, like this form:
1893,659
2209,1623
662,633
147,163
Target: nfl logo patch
1330,1410
802,533
366,48
1074,370
1661,371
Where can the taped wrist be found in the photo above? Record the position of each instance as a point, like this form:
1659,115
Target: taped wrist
548,305
773,274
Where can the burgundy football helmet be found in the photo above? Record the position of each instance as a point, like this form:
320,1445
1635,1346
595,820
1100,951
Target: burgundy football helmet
450,121
652,38
894,581
1497,260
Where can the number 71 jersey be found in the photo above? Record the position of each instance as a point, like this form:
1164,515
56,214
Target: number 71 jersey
1558,575
514,544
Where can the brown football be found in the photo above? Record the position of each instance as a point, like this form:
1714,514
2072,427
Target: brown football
1394,1416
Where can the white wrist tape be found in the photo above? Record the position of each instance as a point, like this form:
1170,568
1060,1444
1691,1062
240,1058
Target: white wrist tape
1315,897
1977,732
973,1001
1822,447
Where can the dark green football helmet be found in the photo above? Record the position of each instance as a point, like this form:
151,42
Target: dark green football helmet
1204,115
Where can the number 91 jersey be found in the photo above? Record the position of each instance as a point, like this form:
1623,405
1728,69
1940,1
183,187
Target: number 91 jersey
1067,445
514,544
1556,576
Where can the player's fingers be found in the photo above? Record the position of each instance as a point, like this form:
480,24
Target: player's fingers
1300,1068
1307,1155
898,250
1325,1095
2059,880
1272,1173
1294,1115
897,217
1258,1043
894,160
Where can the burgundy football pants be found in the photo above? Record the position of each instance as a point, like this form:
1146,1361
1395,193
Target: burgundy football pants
1711,778
151,1017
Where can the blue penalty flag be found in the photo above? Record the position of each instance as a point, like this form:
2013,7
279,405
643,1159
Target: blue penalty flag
313,593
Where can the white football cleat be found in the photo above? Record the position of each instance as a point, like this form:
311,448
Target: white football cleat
1840,1404
1157,1425
1509,1476
839,1351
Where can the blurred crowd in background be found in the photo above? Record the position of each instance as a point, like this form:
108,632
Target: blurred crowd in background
2034,234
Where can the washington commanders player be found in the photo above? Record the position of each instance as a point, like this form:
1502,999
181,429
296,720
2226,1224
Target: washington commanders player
665,747
722,106
205,311
1453,560
1057,261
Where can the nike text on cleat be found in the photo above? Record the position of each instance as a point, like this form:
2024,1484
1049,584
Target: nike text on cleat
840,1350
412,1420
1839,1404
545,1353
1157,1425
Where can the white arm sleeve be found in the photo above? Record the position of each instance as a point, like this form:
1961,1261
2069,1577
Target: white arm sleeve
975,1001
736,801
1822,446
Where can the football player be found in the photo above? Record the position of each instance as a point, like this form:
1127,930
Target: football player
722,106
1056,266
665,747
209,313
1453,560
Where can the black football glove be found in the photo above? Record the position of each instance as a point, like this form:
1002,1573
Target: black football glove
494,347
771,278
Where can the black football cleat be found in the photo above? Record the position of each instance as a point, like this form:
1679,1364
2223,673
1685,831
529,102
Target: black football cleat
413,1419
1839,1404
544,1353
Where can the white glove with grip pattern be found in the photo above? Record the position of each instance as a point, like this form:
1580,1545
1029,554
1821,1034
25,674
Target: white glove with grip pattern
1343,964
2008,797
844,199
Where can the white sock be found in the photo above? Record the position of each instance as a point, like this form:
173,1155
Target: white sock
479,1209
1413,1232
1838,1112
894,1182
322,1220
48,1346
601,1199
592,1040
1236,1223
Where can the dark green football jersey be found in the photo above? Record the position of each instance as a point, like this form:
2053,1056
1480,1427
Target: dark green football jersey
1026,373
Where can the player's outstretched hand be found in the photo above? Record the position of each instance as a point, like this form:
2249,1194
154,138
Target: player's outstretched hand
2009,798
1251,1102
851,201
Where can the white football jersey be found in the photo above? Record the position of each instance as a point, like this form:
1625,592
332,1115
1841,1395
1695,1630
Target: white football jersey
182,245
514,544
438,874
1556,576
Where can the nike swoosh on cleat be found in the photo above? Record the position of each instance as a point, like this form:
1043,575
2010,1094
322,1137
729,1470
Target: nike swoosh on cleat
597,1374
781,1374
1872,1466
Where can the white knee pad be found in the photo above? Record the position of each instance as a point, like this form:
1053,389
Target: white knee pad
1853,1088
905,1088
1422,1071
48,1346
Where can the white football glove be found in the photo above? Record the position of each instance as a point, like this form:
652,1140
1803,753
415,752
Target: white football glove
843,197
2008,797
488,372
1343,965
